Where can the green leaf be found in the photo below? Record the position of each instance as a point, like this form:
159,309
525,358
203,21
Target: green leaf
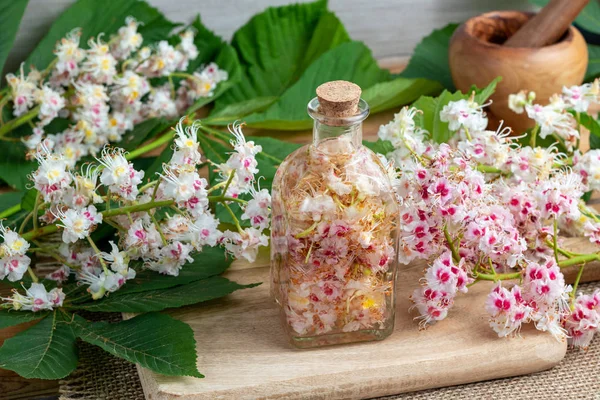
430,120
12,318
45,351
155,341
481,95
430,58
157,300
275,47
14,168
26,281
593,69
95,17
157,164
380,146
588,18
351,61
210,262
237,111
9,199
28,200
591,124
11,13
142,132
398,92
273,153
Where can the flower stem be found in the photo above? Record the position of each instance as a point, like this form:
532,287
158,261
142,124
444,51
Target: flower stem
43,231
32,274
38,197
150,146
582,259
467,134
160,232
222,198
221,135
97,251
453,249
147,186
10,211
576,283
48,229
25,221
533,138
498,277
137,208
488,169
15,123
555,239
307,231
235,220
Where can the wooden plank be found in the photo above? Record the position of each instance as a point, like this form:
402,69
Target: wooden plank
244,354
13,387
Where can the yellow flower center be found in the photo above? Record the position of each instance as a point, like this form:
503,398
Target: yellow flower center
53,173
17,245
368,302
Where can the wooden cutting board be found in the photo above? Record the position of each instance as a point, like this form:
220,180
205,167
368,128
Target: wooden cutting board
244,354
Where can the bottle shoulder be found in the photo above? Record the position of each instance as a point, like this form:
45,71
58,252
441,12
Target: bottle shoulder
360,169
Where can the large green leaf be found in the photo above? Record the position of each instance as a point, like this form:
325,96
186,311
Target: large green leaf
14,168
210,262
11,318
380,146
95,17
143,131
430,58
236,111
155,341
29,199
588,18
398,92
157,300
430,120
45,351
277,45
273,153
482,95
593,69
11,13
350,61
10,199
591,124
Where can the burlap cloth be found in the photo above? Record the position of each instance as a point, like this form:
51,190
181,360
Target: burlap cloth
101,376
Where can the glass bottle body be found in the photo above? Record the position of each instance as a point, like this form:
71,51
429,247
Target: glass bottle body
334,238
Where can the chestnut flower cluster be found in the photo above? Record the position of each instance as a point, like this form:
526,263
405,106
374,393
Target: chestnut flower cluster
485,207
106,90
160,224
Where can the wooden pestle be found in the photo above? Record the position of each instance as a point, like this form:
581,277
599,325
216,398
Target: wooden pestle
548,25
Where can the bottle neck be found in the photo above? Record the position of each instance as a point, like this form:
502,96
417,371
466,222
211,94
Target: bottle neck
337,134
349,137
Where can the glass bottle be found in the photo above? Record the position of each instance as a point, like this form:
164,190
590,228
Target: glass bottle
334,230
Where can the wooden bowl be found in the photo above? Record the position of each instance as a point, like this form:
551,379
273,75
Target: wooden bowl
476,56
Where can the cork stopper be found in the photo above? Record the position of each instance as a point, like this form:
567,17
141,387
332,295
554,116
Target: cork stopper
339,99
